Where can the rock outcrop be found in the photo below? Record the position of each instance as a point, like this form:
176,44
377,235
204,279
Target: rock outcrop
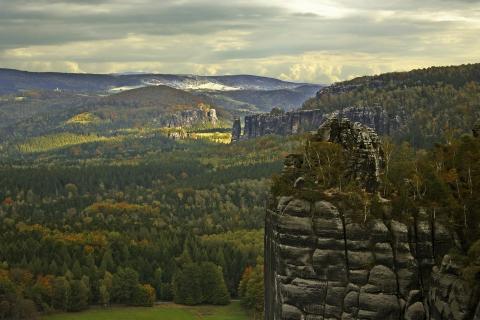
361,143
325,260
236,130
476,129
188,118
308,120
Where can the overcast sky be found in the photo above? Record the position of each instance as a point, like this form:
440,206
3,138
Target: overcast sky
301,40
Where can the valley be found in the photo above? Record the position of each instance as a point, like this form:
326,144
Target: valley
127,198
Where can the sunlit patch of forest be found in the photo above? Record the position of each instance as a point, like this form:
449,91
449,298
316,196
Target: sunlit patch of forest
84,118
213,136
60,140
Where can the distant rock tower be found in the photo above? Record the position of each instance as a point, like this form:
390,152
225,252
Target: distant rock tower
236,130
212,116
476,129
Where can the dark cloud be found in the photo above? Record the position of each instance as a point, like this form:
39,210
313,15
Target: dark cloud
182,33
22,25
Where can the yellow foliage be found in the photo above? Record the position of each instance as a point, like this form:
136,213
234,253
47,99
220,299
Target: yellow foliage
83,118
60,140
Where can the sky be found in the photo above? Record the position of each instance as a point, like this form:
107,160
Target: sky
319,41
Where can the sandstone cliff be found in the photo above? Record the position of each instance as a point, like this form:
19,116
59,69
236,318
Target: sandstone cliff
188,118
326,259
308,120
476,129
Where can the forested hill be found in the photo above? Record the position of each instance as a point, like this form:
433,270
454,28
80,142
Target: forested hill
148,102
456,76
429,103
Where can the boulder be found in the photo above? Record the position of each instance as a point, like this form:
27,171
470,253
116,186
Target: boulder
415,312
383,278
290,312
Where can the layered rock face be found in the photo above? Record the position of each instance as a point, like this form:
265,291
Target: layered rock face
476,129
307,120
325,259
322,264
363,146
281,124
188,118
236,130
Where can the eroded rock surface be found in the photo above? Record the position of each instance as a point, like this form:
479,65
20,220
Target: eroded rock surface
307,120
187,118
321,264
476,129
236,130
324,262
362,144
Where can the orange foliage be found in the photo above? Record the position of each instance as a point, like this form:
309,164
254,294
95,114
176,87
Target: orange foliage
8,201
119,208
88,249
46,285
4,274
92,239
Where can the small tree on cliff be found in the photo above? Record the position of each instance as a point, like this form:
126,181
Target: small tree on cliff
276,111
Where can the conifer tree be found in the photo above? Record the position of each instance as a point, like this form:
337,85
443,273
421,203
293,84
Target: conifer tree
78,296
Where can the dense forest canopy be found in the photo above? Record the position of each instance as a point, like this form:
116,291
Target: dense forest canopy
114,222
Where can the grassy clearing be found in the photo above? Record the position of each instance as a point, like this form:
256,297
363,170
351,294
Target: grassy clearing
167,311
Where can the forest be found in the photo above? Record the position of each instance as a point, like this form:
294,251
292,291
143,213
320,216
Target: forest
98,214
134,221
432,105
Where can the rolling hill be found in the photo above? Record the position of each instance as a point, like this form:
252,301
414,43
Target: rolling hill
240,94
35,113
12,81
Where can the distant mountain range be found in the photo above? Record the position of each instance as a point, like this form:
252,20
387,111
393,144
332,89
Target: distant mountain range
14,80
241,94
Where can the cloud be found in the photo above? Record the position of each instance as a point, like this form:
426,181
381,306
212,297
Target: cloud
305,40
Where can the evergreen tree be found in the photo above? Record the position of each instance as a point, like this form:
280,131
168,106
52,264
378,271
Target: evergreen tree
213,285
77,270
78,296
157,281
124,285
104,295
53,268
186,285
61,293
